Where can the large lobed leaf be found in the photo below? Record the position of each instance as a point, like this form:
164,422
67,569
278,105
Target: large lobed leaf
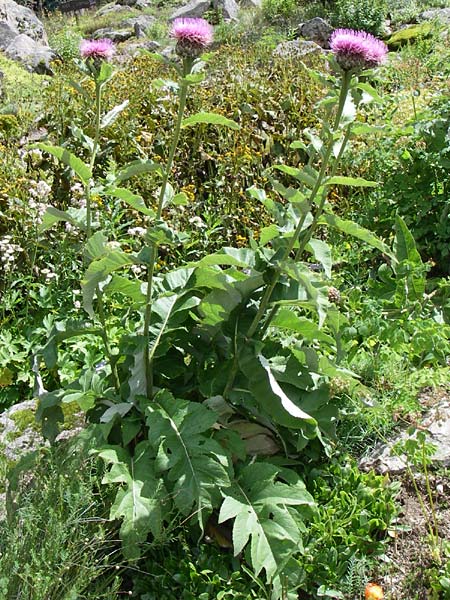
261,506
140,499
196,466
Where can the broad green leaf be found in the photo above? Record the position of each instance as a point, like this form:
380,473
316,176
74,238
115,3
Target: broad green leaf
132,288
49,413
350,181
308,330
196,466
106,72
238,257
404,244
322,253
53,215
267,234
271,402
137,167
265,514
140,500
160,233
109,118
134,200
355,230
368,89
96,246
76,164
195,77
286,402
299,174
98,270
209,118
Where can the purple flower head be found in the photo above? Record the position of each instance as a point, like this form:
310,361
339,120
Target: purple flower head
193,36
97,49
357,50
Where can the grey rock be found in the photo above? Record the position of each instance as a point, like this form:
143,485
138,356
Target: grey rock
141,4
14,443
115,35
111,9
316,30
142,21
297,49
228,8
32,54
195,8
440,14
436,422
250,3
22,20
134,49
7,34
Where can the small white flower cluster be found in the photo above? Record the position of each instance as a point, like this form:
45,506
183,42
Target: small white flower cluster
8,252
138,231
49,274
39,192
77,197
39,189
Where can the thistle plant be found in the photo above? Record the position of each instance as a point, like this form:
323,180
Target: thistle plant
218,362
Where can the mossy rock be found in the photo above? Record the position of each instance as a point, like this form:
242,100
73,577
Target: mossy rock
409,35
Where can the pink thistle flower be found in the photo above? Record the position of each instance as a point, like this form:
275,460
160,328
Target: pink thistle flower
97,49
193,36
357,50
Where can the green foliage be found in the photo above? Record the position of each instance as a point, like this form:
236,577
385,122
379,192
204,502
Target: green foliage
278,11
55,542
355,511
66,43
365,15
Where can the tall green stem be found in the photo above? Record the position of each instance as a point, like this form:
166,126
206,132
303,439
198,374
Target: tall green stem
87,187
154,247
305,239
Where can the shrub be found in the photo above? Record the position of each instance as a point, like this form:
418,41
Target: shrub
278,11
366,15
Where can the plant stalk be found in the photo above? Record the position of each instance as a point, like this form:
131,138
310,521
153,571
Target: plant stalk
154,247
87,187
322,173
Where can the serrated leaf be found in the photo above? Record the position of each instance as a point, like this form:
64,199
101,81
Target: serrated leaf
64,330
109,118
195,464
262,511
139,502
209,118
76,164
